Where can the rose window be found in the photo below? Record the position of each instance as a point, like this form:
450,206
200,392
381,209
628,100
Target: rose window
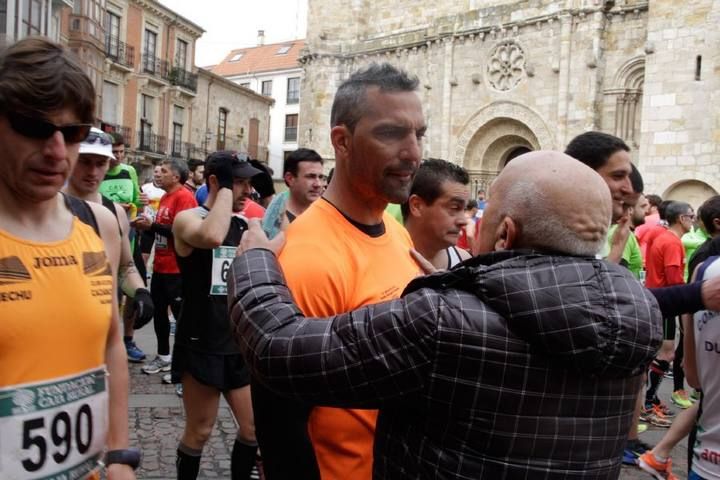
506,66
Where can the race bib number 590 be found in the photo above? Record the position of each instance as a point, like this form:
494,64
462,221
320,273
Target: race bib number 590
55,429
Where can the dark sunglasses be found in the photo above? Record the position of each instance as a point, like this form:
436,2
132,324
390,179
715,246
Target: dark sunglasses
42,129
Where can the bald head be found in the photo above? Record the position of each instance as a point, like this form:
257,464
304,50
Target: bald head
547,200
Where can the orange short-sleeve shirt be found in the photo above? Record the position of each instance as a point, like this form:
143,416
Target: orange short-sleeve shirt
333,267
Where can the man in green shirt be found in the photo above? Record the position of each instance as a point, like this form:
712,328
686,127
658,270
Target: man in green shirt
121,184
632,255
691,241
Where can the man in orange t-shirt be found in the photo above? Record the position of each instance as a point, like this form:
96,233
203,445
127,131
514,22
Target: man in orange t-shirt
344,252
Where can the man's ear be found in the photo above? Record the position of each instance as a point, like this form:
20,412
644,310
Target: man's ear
716,223
341,139
415,205
506,234
288,177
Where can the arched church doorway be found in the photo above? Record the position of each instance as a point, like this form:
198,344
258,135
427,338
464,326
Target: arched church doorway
516,153
492,146
694,192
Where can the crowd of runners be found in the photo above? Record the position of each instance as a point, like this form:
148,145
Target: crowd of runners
377,322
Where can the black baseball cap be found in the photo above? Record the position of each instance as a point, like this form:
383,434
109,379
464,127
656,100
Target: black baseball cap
241,167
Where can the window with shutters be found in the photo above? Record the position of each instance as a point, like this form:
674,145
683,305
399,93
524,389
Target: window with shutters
181,54
110,102
293,90
222,128
32,18
291,123
178,121
267,88
149,51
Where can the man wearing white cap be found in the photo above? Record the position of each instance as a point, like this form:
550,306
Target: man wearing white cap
84,183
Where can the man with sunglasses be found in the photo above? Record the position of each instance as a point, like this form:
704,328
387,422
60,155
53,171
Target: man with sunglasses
64,377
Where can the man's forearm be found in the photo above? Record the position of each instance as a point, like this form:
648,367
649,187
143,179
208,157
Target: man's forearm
344,361
129,279
118,382
679,299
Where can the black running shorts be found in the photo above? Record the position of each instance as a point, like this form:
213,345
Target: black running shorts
224,372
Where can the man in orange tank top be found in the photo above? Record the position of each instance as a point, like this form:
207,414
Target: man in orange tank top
63,373
342,253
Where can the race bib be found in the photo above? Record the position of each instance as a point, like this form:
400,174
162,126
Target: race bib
161,241
55,429
222,259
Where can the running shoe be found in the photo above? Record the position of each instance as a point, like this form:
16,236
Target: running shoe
172,328
179,390
629,458
633,449
695,395
638,447
659,470
680,398
157,365
167,378
134,354
662,407
654,416
642,428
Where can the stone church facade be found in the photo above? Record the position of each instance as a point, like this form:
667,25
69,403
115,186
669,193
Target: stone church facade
502,77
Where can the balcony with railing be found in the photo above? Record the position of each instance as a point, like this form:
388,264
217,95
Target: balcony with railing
119,52
156,67
151,143
183,78
196,152
181,149
126,132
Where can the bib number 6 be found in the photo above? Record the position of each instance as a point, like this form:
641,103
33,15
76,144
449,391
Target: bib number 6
224,270
62,430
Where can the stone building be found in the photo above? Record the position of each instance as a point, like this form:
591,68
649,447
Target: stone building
230,117
499,78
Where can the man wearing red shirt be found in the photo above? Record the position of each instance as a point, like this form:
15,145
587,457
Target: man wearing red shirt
652,229
165,285
665,263
253,210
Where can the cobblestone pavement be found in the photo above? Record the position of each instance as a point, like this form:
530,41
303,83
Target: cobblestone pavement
157,419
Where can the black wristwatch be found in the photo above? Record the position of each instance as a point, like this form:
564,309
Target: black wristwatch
128,456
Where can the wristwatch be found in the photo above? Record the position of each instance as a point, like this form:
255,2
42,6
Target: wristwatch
128,456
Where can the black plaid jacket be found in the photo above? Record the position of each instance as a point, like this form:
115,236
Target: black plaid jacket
514,365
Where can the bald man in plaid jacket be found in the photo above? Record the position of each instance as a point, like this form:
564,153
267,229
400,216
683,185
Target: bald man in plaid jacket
523,362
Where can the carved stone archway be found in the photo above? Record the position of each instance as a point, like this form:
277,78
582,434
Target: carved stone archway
624,100
692,191
513,112
495,134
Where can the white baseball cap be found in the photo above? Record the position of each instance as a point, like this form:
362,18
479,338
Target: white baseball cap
97,143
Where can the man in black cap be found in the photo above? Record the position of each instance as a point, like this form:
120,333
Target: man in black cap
205,358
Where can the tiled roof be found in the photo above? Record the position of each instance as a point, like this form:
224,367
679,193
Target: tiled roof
265,58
